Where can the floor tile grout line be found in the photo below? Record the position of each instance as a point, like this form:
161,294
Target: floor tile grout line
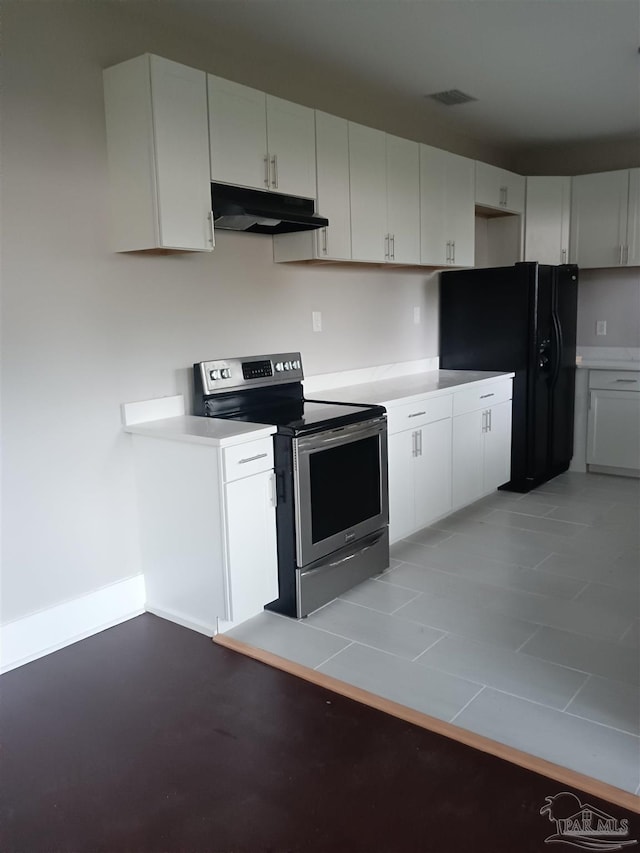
466,705
635,735
406,603
582,686
430,646
535,631
348,646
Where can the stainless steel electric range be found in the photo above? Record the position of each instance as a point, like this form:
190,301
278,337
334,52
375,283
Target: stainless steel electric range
331,474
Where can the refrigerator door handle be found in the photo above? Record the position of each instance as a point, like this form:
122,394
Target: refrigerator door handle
557,349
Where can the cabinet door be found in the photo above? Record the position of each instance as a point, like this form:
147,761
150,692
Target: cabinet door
180,130
434,242
468,462
332,151
633,219
613,429
433,472
497,447
237,133
368,182
514,191
499,188
403,200
547,220
291,139
459,209
599,210
252,560
401,452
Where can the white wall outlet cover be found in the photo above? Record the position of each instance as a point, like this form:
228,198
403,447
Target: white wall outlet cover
316,320
601,327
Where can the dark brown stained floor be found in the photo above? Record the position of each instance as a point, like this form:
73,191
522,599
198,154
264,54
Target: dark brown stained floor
148,737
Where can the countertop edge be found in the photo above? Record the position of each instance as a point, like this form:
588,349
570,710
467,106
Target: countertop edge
180,428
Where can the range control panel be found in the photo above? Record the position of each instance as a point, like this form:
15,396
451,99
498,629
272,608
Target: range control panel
252,371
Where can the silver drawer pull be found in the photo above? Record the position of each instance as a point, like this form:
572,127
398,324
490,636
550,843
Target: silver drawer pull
484,396
416,414
626,380
252,458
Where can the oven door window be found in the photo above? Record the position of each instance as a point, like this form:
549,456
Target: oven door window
345,487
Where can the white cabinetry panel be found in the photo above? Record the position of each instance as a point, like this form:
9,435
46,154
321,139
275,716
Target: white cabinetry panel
403,200
447,226
613,424
547,219
368,182
292,147
157,148
498,188
599,217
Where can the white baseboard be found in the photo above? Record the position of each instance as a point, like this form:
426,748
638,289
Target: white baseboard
41,633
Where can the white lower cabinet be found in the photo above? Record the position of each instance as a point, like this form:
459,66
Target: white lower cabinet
481,444
207,530
613,423
419,465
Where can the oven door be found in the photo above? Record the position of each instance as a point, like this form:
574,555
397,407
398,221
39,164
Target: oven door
340,487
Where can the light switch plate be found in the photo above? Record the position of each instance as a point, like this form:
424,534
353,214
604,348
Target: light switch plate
316,321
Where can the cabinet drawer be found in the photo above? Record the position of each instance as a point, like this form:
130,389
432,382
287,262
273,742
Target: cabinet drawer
482,397
424,411
242,460
615,380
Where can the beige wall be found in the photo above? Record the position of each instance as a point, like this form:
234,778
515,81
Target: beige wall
85,330
611,295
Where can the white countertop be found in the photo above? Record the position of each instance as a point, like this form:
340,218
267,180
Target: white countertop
401,389
608,364
216,432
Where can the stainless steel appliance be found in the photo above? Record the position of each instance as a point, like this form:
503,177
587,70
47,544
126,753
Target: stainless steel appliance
331,473
521,318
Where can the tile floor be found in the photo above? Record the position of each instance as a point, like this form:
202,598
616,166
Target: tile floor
517,618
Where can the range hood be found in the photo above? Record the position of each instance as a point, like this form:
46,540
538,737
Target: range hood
262,212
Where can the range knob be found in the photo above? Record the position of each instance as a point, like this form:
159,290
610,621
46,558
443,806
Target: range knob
279,366
287,365
214,374
295,364
225,373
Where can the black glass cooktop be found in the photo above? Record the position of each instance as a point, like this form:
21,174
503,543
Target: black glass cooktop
295,417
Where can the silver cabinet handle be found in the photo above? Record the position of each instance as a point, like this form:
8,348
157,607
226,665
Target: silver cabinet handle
627,380
274,176
275,158
453,251
484,396
416,414
419,442
414,443
620,254
252,458
448,251
490,419
212,238
386,247
267,172
324,241
506,196
393,246
484,421
273,489
563,256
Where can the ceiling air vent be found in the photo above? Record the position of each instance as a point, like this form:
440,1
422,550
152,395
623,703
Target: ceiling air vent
451,97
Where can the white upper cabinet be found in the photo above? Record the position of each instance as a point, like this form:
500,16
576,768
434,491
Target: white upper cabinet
385,196
499,189
368,184
403,200
604,219
237,134
332,170
446,208
547,212
157,149
259,141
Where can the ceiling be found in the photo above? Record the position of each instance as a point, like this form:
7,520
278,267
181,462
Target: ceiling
543,71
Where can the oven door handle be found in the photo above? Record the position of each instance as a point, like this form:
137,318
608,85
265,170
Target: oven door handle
341,436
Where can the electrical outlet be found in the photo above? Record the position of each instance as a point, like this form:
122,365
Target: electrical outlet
316,321
601,327
416,315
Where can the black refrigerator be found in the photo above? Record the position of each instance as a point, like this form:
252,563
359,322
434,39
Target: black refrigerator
521,319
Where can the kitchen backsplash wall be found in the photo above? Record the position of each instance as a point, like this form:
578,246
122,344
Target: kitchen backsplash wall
614,296
85,329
